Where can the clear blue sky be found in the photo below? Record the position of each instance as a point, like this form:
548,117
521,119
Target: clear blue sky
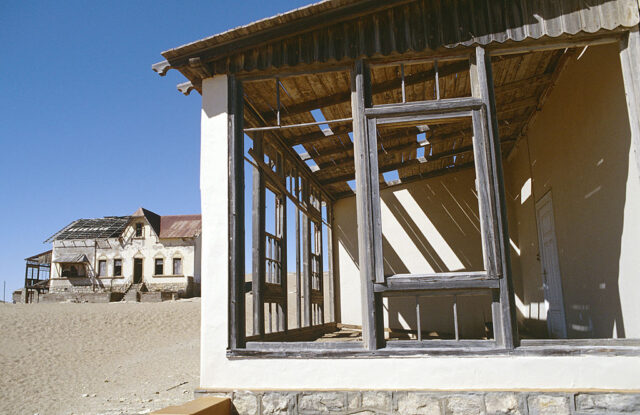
86,128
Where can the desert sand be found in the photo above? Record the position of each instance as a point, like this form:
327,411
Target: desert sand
117,358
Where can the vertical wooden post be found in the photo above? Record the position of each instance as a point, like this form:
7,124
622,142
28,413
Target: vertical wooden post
320,253
284,320
368,209
298,269
483,88
630,61
306,258
258,240
236,214
25,294
330,280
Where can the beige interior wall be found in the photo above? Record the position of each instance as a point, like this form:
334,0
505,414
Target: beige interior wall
428,226
579,149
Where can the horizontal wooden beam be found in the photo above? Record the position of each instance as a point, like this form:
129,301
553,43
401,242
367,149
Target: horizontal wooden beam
345,96
510,87
394,166
417,177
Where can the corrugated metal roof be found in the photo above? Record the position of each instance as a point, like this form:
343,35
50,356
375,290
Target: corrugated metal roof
180,226
402,27
71,259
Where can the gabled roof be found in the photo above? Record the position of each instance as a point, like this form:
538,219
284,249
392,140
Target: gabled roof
180,226
152,218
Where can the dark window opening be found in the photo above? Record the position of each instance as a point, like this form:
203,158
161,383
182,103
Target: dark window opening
138,230
117,267
159,269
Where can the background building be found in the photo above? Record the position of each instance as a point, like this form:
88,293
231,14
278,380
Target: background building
144,251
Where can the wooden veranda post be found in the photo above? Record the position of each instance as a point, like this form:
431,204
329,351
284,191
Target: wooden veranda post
236,215
258,240
306,258
505,331
367,200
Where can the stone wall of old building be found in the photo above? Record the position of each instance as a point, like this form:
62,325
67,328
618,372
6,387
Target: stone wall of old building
429,403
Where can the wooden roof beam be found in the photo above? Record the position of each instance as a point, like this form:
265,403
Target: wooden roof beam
416,177
407,163
345,97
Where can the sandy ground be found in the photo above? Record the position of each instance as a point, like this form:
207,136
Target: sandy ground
117,358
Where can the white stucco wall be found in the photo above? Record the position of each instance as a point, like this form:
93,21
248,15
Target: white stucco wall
427,373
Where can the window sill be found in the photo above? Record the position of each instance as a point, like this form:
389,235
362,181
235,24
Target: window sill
168,276
469,349
112,278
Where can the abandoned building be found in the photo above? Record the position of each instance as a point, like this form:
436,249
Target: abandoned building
421,198
36,278
126,255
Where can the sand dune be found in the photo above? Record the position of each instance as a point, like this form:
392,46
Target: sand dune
118,358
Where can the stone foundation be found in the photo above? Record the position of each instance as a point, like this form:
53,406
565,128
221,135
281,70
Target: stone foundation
429,403
81,297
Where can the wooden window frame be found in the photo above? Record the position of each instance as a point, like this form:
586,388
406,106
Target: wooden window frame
373,345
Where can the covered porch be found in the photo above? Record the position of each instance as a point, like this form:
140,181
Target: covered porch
419,179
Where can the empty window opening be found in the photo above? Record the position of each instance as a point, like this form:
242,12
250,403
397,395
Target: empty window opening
117,267
139,230
159,266
102,268
177,266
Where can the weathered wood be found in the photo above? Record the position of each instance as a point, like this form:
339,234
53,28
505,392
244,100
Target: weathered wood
439,107
299,125
284,318
291,154
306,261
285,30
367,191
486,209
298,264
344,97
236,215
258,240
301,335
551,44
433,348
331,292
436,285
509,335
630,62
280,186
397,165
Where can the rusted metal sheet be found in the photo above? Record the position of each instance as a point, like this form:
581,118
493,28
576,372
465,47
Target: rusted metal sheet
180,226
336,31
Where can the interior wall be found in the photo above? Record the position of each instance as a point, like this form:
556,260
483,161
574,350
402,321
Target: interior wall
579,150
427,226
